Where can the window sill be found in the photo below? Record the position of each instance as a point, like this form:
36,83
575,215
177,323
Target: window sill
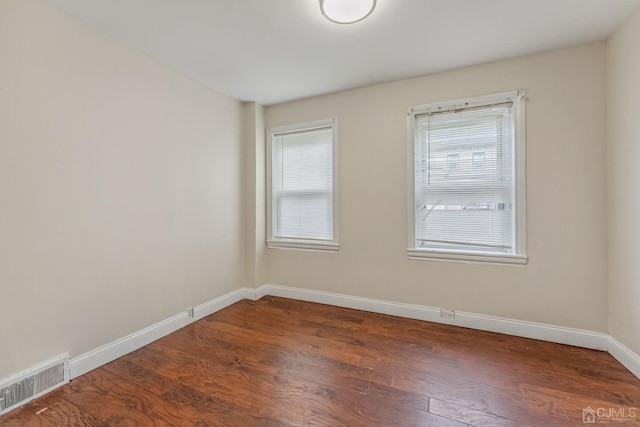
423,254
310,246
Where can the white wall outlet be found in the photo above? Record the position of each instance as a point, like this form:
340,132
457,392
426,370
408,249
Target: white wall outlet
447,314
191,313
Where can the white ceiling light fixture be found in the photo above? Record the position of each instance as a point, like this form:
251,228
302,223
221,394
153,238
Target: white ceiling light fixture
346,11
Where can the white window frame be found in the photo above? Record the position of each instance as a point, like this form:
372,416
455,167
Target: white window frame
519,158
309,244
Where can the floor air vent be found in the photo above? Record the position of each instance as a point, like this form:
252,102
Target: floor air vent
33,383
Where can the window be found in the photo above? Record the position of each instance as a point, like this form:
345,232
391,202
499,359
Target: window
478,161
473,208
302,190
452,161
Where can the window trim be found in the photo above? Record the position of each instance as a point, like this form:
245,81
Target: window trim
304,244
519,158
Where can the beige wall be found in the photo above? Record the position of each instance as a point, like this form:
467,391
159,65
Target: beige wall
565,281
623,161
254,196
120,189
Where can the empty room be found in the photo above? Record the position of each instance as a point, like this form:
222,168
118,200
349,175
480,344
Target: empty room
319,212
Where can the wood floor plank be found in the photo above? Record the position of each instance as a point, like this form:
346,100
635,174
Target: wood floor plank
573,404
21,417
238,385
471,416
585,387
279,362
488,400
53,409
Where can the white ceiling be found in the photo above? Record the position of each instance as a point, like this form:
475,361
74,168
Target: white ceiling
271,51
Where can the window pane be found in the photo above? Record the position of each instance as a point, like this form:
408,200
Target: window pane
306,216
452,161
478,161
464,180
303,184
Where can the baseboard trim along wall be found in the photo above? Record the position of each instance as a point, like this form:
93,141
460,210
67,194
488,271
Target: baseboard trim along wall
519,328
118,348
557,334
625,356
576,337
539,331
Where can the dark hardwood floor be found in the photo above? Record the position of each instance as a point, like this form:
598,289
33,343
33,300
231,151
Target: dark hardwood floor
278,362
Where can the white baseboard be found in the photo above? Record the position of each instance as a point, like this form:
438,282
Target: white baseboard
210,307
538,331
557,334
118,348
366,304
593,340
625,356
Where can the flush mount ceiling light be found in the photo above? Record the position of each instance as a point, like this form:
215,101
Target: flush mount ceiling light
346,11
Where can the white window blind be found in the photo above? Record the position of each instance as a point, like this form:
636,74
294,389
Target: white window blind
302,193
465,197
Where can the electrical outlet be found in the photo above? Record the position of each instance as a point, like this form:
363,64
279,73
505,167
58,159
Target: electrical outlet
191,313
447,314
